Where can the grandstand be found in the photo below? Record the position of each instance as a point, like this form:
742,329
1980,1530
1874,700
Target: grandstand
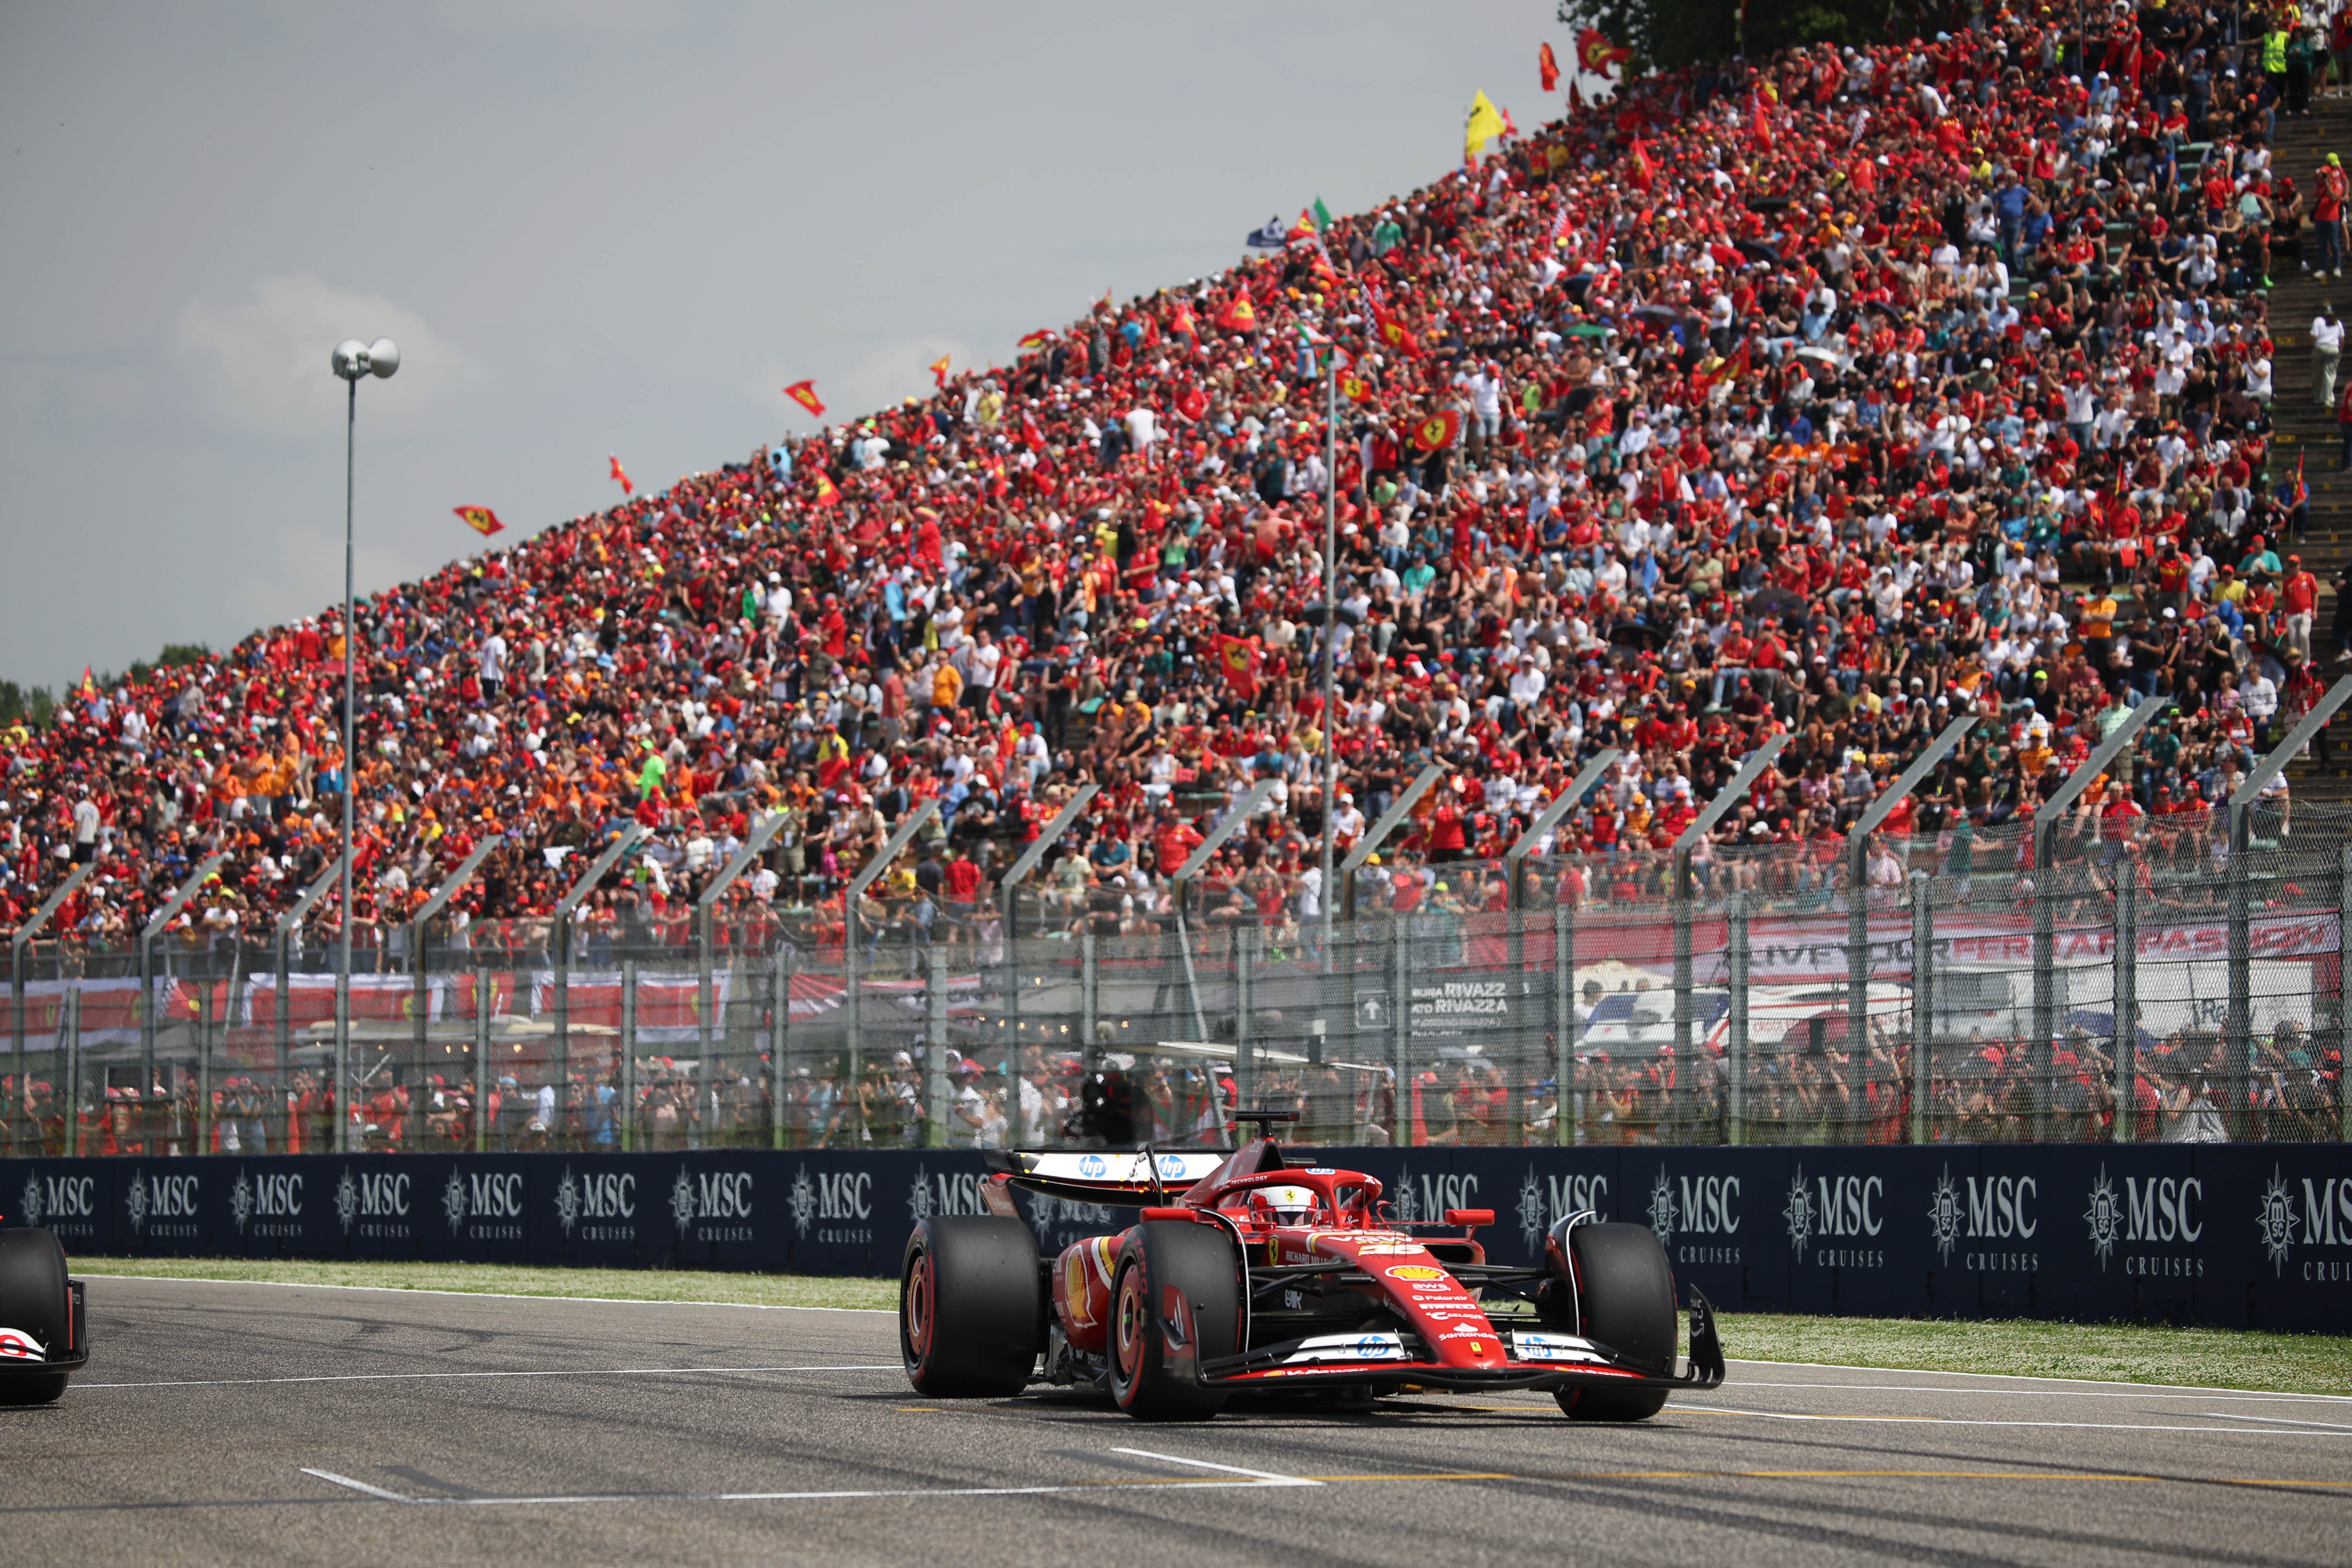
1831,397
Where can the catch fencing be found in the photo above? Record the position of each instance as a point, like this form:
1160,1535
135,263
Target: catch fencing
1953,992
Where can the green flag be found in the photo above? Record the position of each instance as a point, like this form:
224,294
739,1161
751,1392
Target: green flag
1322,215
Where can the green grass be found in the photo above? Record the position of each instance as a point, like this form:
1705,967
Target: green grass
2121,1352
498,1278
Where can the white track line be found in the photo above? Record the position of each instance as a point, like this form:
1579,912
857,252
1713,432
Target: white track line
1245,1480
486,1295
2052,1426
2007,1376
2111,1391
419,1376
2285,1420
1266,1475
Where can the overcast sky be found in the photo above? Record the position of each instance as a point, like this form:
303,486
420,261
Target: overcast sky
596,227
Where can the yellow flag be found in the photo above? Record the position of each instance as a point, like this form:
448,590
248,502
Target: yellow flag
1485,124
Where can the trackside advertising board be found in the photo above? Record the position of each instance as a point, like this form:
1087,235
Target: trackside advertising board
2228,1235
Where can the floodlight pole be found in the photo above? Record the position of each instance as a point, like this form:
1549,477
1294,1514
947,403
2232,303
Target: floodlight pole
147,935
351,360
560,931
17,946
1686,842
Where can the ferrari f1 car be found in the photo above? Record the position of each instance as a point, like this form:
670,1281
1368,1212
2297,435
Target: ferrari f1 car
44,1332
1267,1278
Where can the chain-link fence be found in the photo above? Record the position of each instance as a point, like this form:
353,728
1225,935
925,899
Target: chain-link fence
1924,989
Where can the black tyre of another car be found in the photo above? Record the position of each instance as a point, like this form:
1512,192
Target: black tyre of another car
1160,1260
970,1305
33,1300
1624,1292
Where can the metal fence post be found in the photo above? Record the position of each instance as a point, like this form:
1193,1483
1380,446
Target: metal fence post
853,1013
1089,1054
2343,1005
71,1033
1857,1002
1563,1025
628,1054
1401,1031
1923,1001
779,1027
1735,1044
341,1106
1015,1117
2238,1031
702,987
282,1096
1684,1104
2127,1000
2045,980
485,1000
935,1050
203,1061
1245,952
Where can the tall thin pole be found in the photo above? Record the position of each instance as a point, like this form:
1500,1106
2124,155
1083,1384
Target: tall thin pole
351,776
1330,634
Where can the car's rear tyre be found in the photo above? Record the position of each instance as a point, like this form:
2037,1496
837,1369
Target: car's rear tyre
34,1299
1626,1299
1199,1264
971,1300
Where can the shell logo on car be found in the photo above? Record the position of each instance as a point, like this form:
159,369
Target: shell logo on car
1414,1272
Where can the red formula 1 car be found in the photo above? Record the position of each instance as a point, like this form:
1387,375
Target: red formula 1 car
1262,1278
44,1328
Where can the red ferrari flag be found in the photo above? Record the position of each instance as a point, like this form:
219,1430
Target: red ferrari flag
827,492
480,518
1645,173
805,393
1305,227
1240,316
1436,432
621,476
1238,657
1394,333
1181,321
1355,388
1031,436
1596,53
1036,340
1548,64
940,372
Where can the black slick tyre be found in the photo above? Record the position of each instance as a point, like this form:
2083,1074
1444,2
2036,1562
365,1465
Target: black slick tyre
971,1303
1160,1261
1625,1301
33,1300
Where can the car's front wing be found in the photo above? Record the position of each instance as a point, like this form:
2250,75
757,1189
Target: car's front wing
71,1357
1539,1361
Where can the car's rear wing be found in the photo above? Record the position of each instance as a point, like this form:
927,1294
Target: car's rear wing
1116,1176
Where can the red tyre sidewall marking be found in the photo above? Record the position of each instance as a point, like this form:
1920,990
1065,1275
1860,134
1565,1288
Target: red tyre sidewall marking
921,1304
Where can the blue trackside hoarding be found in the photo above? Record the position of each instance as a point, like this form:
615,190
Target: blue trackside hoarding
2237,1236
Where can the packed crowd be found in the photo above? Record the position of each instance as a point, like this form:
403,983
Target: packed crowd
1835,393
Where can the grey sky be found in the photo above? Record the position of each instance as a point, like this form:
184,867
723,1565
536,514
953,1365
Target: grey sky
595,228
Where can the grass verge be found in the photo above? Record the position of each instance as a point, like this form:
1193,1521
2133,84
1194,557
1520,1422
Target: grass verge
2120,1352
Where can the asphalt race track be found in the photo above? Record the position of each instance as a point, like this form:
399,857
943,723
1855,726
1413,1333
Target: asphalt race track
242,1423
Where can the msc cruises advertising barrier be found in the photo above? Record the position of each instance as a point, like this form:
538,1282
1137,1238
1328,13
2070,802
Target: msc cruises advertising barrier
2231,1235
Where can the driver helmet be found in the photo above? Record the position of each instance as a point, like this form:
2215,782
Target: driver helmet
1284,1206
